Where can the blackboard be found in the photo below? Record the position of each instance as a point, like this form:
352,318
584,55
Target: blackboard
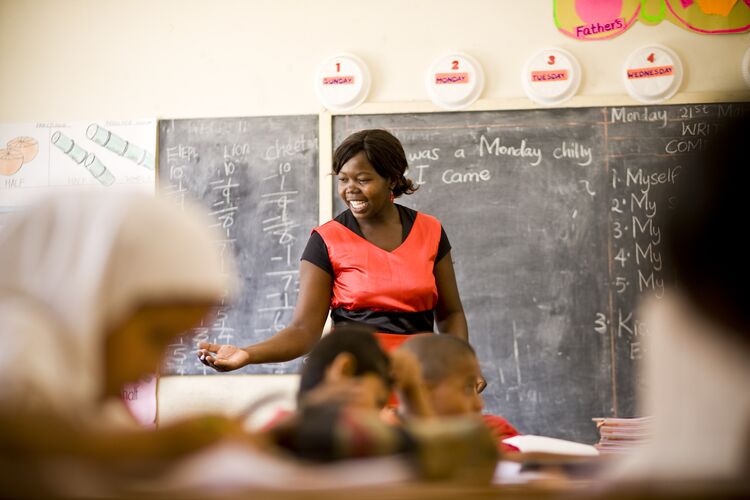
259,179
551,217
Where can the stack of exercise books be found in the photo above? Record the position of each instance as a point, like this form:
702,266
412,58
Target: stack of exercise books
622,435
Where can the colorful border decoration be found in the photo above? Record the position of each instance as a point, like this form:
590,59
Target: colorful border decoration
595,19
604,19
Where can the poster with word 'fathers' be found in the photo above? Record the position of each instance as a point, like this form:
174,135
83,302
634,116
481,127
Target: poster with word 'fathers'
38,157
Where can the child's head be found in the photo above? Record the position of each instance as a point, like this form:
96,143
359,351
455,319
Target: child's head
108,280
450,371
350,353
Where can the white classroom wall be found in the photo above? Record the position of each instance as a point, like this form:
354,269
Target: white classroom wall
122,59
66,60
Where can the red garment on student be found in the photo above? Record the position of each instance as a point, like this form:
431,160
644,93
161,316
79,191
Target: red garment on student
502,429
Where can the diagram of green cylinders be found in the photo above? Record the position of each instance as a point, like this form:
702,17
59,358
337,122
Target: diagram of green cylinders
120,146
83,157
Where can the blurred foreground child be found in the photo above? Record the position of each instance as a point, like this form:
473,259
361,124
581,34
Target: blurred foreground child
697,348
93,288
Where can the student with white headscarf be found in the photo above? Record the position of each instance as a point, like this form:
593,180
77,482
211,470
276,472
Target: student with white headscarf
93,288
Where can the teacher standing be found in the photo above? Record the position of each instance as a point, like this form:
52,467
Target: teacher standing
377,263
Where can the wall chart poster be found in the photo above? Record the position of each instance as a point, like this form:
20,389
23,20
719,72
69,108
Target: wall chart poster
38,157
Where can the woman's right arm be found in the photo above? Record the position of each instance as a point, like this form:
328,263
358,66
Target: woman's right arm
306,327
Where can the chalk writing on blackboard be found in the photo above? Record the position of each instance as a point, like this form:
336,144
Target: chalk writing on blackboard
552,216
256,178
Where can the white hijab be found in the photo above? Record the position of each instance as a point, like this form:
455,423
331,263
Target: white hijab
78,264
697,389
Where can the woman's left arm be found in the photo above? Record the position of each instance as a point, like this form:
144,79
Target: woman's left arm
450,313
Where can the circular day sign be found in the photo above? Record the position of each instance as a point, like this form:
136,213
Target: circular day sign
551,76
652,74
342,82
455,81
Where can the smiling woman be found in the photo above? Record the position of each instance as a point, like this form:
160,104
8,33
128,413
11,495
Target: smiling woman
377,263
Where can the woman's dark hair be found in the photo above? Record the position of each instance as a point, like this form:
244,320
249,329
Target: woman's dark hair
357,340
383,151
704,233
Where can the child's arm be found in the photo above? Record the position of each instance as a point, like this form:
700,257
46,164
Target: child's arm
407,375
49,436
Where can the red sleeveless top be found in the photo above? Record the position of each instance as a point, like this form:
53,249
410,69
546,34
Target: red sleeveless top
393,291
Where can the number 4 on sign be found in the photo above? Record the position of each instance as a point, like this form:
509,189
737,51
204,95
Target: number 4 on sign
650,57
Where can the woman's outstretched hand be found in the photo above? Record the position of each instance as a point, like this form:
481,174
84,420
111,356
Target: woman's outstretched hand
222,357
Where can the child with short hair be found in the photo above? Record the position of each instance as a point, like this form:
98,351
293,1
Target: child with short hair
345,383
454,381
346,370
347,365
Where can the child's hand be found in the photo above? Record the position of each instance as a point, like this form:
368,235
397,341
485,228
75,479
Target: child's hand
406,370
407,376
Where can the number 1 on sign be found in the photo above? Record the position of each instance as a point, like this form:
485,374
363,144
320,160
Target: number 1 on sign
338,67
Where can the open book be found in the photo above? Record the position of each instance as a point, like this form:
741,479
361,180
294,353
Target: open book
541,448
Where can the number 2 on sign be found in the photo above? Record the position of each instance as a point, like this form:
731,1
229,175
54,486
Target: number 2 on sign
454,65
